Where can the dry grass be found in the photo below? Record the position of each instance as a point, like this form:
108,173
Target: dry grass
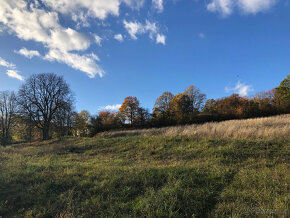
270,127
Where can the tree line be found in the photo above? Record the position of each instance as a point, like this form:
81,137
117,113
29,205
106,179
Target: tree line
43,108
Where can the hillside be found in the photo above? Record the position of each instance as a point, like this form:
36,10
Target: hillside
165,175
267,127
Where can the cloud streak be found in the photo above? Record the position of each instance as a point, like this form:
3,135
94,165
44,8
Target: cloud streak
110,107
227,7
85,63
11,69
28,53
158,5
136,28
241,89
160,39
6,64
119,37
14,74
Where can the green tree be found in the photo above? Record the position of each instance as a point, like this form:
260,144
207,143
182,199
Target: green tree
180,107
161,110
196,98
81,126
143,116
283,93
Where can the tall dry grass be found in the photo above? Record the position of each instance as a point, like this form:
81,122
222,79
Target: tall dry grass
269,127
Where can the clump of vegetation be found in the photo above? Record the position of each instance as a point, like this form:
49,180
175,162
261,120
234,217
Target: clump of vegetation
142,176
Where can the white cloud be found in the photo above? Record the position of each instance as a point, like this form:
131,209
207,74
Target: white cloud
14,74
98,39
135,4
111,107
85,63
6,64
226,7
30,21
241,89
255,6
93,8
136,28
151,28
82,9
81,19
222,6
119,37
40,26
158,5
11,72
160,39
28,53
44,27
68,40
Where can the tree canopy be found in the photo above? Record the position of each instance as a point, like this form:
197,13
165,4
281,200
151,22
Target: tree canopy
41,97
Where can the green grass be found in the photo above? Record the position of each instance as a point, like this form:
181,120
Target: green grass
146,177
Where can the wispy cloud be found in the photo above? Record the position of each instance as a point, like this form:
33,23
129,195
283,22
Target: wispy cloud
158,5
110,107
160,39
255,6
6,64
11,69
240,88
14,74
136,28
98,39
28,53
119,37
85,63
222,6
227,7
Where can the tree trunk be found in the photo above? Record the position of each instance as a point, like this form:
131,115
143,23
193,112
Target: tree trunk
45,132
3,140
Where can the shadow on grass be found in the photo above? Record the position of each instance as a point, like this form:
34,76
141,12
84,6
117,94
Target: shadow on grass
152,192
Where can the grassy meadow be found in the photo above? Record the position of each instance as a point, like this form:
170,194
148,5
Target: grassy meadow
158,175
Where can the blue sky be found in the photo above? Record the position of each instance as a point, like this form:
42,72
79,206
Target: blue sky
110,49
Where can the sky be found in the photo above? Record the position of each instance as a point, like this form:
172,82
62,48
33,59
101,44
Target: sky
107,50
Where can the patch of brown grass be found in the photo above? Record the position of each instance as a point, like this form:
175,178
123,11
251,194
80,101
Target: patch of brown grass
269,127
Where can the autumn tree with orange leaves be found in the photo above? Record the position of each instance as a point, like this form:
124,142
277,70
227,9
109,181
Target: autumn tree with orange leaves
128,112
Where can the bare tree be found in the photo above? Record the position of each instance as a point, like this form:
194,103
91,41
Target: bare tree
41,97
64,119
8,107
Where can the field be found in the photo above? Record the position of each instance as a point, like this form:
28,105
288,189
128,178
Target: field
268,127
153,173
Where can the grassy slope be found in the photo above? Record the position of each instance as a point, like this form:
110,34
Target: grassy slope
146,176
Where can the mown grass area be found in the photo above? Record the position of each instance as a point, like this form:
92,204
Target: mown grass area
142,176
